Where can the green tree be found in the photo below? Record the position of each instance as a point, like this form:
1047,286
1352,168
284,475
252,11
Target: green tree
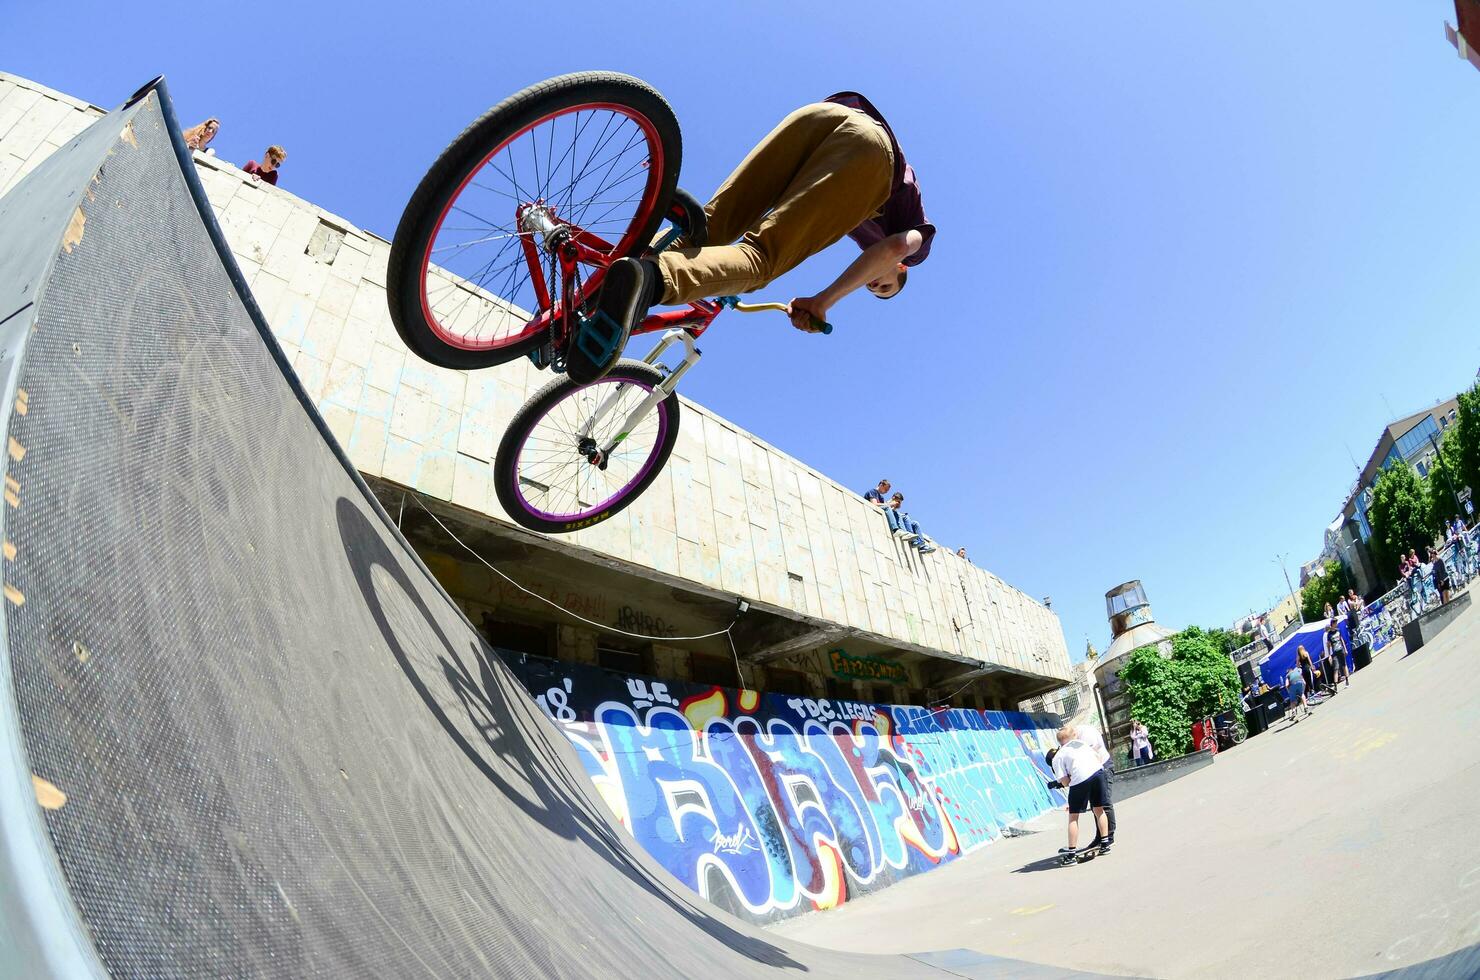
1168,694
1329,586
1399,517
1208,676
1444,483
1154,687
1465,435
1228,641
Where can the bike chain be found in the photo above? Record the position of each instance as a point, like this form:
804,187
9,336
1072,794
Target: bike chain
557,355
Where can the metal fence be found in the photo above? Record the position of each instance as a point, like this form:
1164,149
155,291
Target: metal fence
1384,618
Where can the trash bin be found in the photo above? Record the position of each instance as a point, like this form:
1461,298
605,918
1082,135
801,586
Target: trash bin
1362,655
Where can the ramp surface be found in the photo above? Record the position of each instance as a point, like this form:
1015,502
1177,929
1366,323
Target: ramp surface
266,742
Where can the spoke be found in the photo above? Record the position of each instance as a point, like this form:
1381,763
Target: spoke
475,241
495,190
601,186
602,140
609,162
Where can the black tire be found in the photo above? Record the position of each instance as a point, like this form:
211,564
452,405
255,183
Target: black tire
423,214
505,474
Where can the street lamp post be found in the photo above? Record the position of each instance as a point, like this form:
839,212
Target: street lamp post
1281,562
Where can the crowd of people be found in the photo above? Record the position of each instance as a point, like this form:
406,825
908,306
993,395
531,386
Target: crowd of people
1312,679
199,138
900,523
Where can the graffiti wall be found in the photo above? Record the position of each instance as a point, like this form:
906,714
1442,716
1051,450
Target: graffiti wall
771,805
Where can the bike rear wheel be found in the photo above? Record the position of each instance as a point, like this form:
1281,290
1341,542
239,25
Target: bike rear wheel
599,151
546,478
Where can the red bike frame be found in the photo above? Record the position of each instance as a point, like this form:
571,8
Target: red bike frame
576,246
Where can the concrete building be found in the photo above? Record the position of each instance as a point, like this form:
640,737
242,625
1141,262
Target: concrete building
1412,440
838,607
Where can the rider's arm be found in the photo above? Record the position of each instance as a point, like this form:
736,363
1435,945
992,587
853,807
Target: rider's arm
878,260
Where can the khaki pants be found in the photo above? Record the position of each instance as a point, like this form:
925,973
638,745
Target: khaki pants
821,173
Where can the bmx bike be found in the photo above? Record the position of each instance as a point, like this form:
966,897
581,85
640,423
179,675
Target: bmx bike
501,253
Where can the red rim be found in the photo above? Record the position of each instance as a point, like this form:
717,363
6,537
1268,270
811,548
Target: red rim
540,321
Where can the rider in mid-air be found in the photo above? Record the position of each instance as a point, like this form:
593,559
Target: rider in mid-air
830,169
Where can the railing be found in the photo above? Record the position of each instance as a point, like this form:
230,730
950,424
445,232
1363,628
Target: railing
1383,620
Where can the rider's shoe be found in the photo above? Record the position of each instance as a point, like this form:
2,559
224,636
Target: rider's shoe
626,294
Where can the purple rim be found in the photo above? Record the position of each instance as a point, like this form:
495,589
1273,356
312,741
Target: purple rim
621,494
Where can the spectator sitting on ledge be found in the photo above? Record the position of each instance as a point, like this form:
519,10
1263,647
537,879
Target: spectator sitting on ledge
878,496
961,553
267,170
901,525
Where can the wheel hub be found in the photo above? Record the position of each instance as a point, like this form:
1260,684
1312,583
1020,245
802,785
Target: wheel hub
587,448
539,219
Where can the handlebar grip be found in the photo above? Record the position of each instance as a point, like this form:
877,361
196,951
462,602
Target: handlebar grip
822,325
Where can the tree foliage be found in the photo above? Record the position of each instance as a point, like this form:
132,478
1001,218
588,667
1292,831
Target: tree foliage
1399,518
1228,641
1329,586
1444,483
1465,435
1208,675
1168,694
1154,687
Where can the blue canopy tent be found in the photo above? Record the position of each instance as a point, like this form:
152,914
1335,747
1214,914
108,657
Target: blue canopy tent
1274,665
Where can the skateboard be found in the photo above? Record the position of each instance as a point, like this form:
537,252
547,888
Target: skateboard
1088,852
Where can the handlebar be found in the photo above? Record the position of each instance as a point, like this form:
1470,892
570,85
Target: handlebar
821,326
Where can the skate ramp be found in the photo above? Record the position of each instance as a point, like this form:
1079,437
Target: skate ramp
243,730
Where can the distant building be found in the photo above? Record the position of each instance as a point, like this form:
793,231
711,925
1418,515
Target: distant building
1412,441
1285,612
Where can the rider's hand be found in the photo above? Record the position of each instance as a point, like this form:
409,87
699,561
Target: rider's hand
801,307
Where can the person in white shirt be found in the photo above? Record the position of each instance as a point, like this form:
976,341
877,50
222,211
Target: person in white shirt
1077,766
1091,736
1141,741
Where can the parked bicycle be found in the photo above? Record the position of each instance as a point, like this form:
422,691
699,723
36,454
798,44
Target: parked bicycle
501,253
1218,733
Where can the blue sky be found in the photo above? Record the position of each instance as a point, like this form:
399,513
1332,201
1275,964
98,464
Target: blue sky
1191,257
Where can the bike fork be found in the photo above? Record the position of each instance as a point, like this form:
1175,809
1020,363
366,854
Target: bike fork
660,391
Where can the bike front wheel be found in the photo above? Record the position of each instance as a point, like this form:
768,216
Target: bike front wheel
565,462
470,281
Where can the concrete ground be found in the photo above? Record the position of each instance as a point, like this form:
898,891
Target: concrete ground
1340,846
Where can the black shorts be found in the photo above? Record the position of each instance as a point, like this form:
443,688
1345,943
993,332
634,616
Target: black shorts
1092,792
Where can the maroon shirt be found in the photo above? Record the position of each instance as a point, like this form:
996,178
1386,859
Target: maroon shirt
268,175
904,210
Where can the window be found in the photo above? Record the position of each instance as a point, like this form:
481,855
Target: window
516,637
883,694
837,691
1423,468
782,681
625,661
706,669
1415,440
